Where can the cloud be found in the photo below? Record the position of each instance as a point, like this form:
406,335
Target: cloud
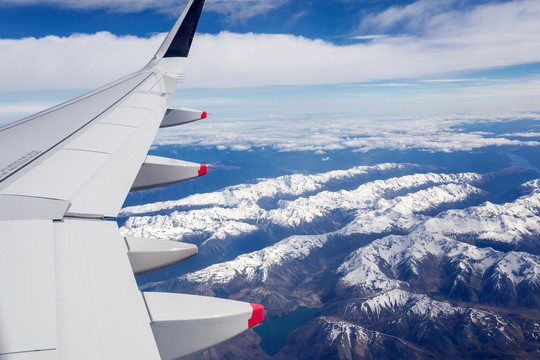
234,9
413,17
80,61
14,111
24,107
524,135
499,35
368,37
380,85
481,37
320,135
118,5
448,19
243,9
237,147
450,80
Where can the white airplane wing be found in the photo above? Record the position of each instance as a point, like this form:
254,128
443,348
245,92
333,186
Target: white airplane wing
67,281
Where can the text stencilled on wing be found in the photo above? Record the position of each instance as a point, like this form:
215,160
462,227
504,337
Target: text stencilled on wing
20,162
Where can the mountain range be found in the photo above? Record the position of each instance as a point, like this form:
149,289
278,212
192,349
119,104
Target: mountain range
402,260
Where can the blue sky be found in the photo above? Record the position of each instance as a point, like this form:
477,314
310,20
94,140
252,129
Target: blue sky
273,58
329,20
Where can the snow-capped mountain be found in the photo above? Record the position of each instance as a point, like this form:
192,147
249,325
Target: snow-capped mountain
429,254
512,225
289,185
398,260
439,328
288,260
215,219
238,210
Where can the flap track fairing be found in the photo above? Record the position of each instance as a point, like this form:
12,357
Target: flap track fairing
179,116
147,255
160,171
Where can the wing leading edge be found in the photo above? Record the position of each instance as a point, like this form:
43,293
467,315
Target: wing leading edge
69,290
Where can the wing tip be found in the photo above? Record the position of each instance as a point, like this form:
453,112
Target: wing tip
181,39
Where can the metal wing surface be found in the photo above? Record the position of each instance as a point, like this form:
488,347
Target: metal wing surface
67,275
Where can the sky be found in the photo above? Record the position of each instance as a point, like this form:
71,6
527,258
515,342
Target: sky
255,60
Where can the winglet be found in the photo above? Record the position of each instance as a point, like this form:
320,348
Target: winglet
178,41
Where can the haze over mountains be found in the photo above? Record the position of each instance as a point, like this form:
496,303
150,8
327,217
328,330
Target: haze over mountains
402,260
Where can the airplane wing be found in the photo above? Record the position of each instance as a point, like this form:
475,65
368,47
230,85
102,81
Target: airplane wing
67,281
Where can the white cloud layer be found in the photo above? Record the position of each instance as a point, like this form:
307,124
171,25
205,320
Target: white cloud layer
485,37
28,107
436,134
10,112
242,9
80,61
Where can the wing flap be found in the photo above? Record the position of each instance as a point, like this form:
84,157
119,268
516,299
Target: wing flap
101,312
27,275
15,207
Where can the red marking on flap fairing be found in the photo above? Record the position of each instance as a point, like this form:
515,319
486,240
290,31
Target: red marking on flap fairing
203,115
203,170
257,316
